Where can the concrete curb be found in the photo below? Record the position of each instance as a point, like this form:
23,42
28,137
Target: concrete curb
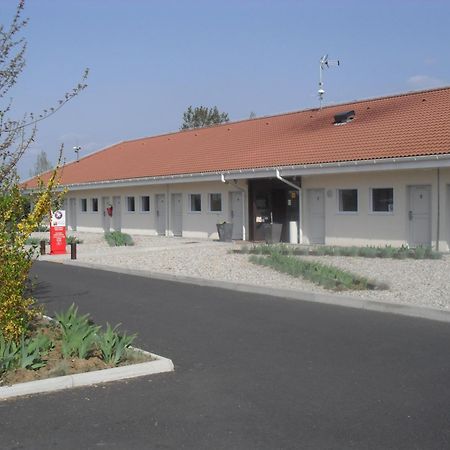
421,312
158,365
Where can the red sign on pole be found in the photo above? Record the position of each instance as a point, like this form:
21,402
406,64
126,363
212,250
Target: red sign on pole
58,233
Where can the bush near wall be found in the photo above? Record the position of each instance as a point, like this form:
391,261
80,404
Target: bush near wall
118,239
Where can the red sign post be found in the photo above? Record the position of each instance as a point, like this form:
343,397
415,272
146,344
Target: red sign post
58,233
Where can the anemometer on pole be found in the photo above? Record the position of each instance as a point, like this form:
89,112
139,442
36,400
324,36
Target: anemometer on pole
77,151
324,63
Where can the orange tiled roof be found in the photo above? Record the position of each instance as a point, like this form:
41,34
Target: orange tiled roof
410,124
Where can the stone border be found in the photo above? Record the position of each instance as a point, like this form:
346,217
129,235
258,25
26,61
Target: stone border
159,364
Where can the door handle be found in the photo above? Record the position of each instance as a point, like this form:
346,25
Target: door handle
410,215
232,214
157,213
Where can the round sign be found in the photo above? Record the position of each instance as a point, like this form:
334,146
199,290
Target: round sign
58,214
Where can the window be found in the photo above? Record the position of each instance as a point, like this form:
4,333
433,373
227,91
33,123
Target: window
348,200
84,205
215,202
195,202
94,204
145,203
383,200
131,207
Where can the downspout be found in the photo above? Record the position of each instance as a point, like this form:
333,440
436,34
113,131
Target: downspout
438,209
299,189
222,179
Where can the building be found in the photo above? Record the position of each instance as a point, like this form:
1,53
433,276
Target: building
371,172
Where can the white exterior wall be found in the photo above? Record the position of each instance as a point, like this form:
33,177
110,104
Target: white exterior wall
194,224
369,228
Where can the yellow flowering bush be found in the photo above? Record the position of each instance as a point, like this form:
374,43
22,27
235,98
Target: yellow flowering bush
17,307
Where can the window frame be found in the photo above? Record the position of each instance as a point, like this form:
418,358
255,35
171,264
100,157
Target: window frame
84,202
127,197
141,210
338,200
382,213
209,203
189,203
92,205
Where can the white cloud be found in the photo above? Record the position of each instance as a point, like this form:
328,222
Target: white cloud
424,82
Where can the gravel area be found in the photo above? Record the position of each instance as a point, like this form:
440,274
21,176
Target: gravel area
417,282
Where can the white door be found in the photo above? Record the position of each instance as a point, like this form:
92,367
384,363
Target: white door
419,216
177,215
106,219
316,213
161,214
73,214
117,213
236,213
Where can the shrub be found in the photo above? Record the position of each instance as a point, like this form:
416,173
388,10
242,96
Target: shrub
78,334
117,239
368,252
327,276
73,240
112,345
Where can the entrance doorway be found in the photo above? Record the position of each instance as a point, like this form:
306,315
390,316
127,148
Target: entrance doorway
419,216
161,214
236,213
117,214
72,214
106,219
177,215
316,214
271,201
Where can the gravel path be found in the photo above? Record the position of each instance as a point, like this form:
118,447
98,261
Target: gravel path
417,282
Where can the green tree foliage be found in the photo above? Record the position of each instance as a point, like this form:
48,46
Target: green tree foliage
16,222
201,116
41,165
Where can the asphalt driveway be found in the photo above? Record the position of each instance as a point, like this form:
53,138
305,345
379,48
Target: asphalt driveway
251,372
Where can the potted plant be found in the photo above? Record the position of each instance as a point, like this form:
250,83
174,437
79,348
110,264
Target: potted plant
225,230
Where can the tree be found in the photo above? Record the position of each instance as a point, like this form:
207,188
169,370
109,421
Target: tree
201,116
41,165
17,307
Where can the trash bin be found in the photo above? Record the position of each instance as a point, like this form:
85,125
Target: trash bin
225,231
272,232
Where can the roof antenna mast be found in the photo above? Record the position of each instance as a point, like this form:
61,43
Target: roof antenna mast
324,63
77,149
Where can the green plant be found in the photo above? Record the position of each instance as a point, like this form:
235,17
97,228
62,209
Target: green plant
327,276
36,241
112,345
117,239
8,351
73,240
78,334
368,252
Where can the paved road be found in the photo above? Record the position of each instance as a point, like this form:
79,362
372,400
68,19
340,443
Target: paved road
252,372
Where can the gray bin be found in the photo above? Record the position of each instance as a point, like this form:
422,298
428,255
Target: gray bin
272,232
225,231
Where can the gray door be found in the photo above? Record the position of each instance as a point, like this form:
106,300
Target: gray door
419,216
236,213
316,213
117,213
106,219
177,215
161,214
72,216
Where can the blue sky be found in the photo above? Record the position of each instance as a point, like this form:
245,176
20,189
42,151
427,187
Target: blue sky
150,60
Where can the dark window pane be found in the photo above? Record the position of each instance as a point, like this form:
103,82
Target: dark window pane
145,203
348,200
383,200
84,204
196,202
95,204
215,202
130,204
